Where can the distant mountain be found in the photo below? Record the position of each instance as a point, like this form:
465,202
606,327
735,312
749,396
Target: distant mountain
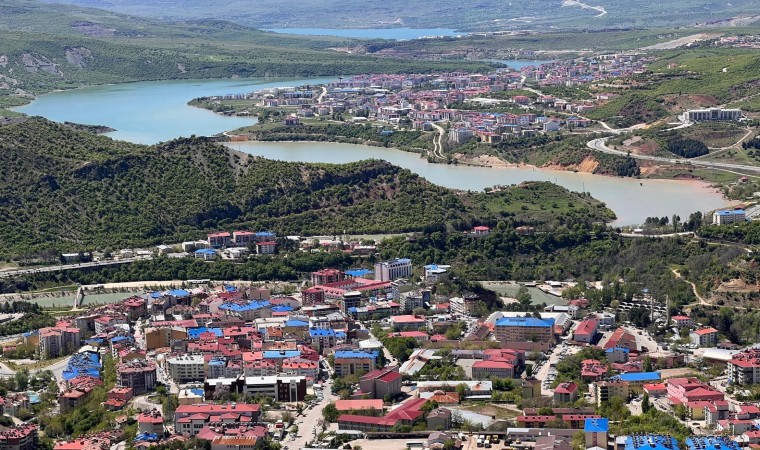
460,14
65,189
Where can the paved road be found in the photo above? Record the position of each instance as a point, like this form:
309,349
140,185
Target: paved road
59,268
600,145
438,142
658,236
308,423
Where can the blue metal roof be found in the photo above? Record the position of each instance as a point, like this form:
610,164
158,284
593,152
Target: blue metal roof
281,354
727,212
613,349
317,332
355,354
264,233
179,293
121,338
651,442
296,323
597,425
340,334
282,308
195,333
236,307
524,322
205,251
639,376
711,442
357,272
156,294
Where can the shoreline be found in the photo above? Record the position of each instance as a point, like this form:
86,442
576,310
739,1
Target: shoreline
497,165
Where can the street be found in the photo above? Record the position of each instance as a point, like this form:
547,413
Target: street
308,424
60,268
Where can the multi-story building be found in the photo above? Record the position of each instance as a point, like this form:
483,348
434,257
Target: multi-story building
186,368
744,367
565,393
163,337
393,270
464,306
597,432
290,388
138,374
322,339
651,442
685,390
219,240
243,238
682,321
151,422
727,216
350,299
524,329
586,330
325,276
604,391
703,115
381,383
704,337
20,437
350,362
711,442
312,296
266,247
411,300
248,311
58,341
483,370
301,367
191,419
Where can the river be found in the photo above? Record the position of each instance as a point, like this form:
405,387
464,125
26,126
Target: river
151,112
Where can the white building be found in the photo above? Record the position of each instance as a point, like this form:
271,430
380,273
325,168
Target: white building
701,115
728,216
186,368
393,270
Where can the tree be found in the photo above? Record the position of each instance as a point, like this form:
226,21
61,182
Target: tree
523,296
22,379
330,413
645,405
461,390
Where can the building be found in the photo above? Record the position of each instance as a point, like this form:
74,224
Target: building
186,368
636,380
349,362
531,388
682,322
482,370
206,254
325,276
20,437
407,322
219,240
412,300
597,432
704,115
586,330
524,329
685,390
565,393
266,247
711,442
727,216
460,135
350,299
744,367
281,388
617,355
439,419
393,270
604,391
58,341
191,419
363,407
151,422
650,442
236,443
162,337
138,374
704,337
381,383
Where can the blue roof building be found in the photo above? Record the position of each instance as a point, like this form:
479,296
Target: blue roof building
296,323
84,363
524,322
711,443
358,273
250,306
651,442
340,335
617,349
281,354
601,425
282,308
318,332
640,377
179,293
195,333
355,354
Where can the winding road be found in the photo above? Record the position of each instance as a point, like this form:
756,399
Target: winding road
438,142
600,144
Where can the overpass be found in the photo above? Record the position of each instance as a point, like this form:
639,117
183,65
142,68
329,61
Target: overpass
65,267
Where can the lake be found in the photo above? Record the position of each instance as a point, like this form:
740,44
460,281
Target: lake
396,34
151,112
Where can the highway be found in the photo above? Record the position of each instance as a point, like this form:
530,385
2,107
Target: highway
600,145
60,268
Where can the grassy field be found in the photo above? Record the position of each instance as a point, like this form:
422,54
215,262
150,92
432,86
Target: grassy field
716,134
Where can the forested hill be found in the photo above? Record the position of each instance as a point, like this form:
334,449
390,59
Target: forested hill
65,189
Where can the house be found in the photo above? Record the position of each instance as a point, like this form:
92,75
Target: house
586,330
623,339
191,419
656,390
682,322
206,254
151,422
565,393
592,370
439,419
704,337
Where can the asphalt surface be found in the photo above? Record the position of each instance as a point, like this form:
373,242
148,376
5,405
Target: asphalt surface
60,268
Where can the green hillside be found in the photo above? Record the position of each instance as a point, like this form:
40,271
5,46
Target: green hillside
65,189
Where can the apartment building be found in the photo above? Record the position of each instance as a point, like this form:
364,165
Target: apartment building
393,270
524,329
186,368
138,374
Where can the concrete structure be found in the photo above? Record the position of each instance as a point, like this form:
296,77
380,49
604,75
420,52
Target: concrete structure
20,437
651,442
597,432
727,216
138,374
565,393
393,270
604,391
704,337
524,329
186,368
58,341
710,114
349,362
381,383
744,368
586,330
685,390
482,370
191,419
151,422
163,337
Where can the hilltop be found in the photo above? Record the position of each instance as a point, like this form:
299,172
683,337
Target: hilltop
66,189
